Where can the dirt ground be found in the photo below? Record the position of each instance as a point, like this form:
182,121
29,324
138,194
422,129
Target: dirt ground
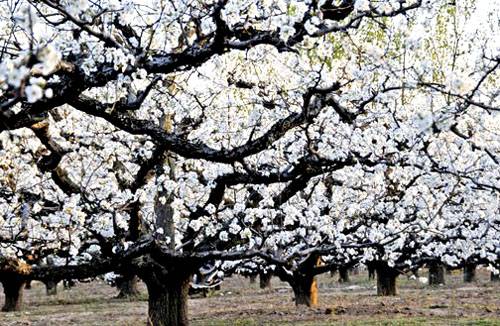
242,303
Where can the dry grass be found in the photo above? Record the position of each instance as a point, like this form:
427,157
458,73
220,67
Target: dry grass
242,303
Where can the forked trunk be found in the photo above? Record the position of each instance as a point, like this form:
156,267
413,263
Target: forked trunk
436,273
386,280
13,289
127,284
265,279
305,290
302,280
469,273
51,287
168,301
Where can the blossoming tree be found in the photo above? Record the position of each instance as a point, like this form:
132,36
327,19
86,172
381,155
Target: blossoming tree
200,130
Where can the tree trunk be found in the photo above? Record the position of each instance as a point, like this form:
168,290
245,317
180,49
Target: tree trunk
302,280
305,290
386,280
127,284
168,301
68,284
253,278
163,208
436,273
469,273
13,289
27,286
494,277
51,287
265,279
344,275
371,271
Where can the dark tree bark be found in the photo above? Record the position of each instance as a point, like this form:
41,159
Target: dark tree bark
265,279
386,280
127,284
13,289
302,281
253,278
305,291
436,273
168,290
337,11
168,303
51,287
371,271
344,275
469,273
28,285
494,277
